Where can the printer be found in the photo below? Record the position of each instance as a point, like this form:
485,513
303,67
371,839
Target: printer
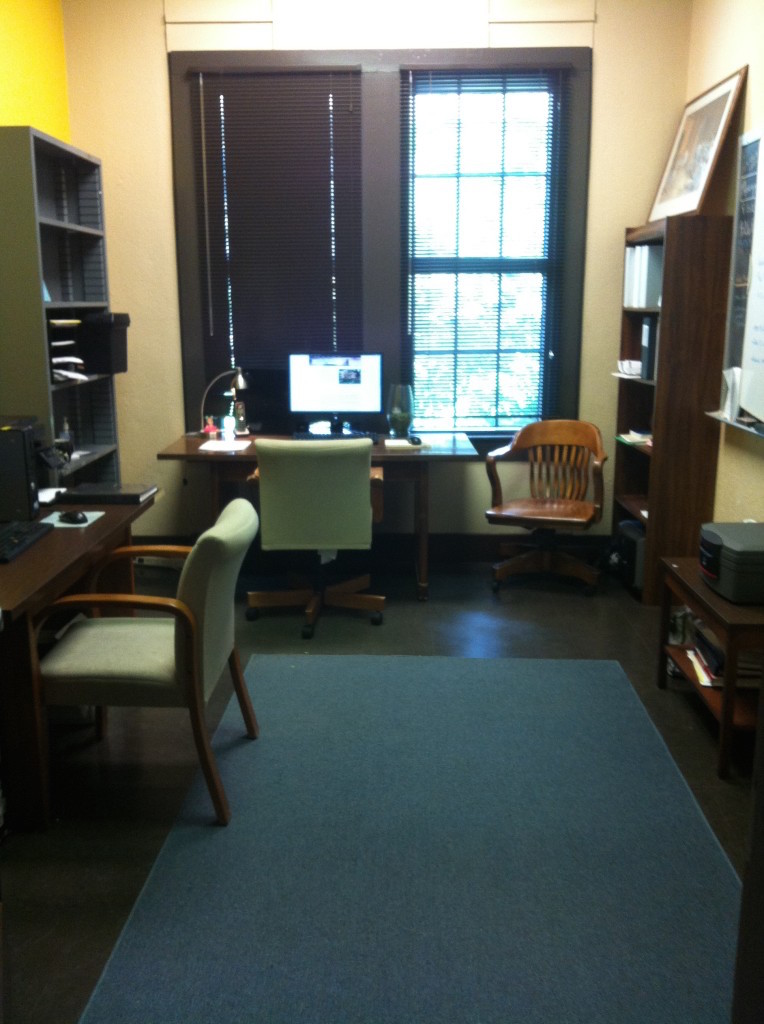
732,560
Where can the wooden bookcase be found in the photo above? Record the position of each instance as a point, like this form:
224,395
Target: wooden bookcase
52,278
668,484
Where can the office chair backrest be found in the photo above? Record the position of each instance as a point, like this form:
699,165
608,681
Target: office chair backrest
208,583
315,495
561,455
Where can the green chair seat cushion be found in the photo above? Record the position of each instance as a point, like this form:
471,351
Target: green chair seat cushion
114,661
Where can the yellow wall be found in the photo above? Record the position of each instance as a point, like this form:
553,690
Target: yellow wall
33,66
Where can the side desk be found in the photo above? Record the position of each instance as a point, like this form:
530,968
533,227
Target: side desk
409,463
50,568
739,627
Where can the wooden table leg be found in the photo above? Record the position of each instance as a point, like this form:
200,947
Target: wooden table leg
422,529
23,734
665,622
729,686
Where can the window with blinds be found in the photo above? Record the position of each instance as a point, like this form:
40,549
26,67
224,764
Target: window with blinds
429,205
483,198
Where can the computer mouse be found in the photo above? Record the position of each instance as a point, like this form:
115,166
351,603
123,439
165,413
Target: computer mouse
413,439
72,516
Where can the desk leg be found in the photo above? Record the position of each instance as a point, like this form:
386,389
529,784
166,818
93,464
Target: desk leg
726,720
422,529
663,635
23,735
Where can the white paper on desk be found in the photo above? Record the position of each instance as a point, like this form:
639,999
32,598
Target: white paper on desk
47,495
224,446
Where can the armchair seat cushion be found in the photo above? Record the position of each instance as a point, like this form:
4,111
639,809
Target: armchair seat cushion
115,661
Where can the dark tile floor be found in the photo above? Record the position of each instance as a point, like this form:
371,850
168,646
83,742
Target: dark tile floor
67,891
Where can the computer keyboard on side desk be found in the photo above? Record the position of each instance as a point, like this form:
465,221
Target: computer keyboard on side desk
16,537
348,435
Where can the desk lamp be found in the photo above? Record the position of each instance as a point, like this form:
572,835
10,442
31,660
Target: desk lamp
238,383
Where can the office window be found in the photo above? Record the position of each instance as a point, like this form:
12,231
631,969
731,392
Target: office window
483,245
429,205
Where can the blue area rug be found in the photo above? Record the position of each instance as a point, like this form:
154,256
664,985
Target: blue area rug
440,840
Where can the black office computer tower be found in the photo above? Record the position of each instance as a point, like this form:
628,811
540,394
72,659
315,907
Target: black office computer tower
18,483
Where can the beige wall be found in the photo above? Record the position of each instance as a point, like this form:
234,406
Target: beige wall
649,57
727,35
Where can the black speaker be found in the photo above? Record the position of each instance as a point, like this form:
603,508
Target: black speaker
103,342
18,479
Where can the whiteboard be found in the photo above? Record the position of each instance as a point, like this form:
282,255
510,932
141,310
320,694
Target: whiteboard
745,342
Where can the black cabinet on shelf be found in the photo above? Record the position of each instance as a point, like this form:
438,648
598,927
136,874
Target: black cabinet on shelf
676,276
53,278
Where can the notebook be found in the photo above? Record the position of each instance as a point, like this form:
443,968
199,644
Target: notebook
107,494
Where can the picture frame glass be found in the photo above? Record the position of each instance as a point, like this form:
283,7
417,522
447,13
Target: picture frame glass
701,132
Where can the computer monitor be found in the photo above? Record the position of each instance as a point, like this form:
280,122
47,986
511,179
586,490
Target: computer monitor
335,386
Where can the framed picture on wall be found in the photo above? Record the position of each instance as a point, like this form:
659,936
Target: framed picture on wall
696,148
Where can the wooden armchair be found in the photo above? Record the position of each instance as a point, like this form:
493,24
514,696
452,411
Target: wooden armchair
565,459
173,657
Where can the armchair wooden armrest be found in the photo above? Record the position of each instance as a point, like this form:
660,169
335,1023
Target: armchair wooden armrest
130,551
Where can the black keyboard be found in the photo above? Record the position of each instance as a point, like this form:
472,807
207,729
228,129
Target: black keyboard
348,435
16,537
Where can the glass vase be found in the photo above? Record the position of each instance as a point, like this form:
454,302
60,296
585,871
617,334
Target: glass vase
400,409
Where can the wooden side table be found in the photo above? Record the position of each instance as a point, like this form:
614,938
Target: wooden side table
739,627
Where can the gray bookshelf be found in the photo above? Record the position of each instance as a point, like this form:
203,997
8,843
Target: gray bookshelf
53,276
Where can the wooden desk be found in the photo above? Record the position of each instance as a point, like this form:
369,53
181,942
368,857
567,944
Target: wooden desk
739,627
28,584
409,463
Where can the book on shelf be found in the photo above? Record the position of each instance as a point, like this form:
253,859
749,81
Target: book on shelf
638,437
642,276
107,494
649,346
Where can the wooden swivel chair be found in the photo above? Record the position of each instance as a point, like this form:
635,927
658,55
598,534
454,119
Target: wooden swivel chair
318,496
565,459
175,656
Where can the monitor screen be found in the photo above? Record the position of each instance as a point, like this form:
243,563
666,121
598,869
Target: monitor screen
332,384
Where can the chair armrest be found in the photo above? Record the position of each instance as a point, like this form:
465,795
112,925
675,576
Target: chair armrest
598,485
137,551
133,602
377,493
497,455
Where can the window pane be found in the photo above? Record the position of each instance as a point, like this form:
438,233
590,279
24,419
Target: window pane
522,311
479,216
526,139
519,390
482,133
437,120
435,213
434,306
478,298
525,212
